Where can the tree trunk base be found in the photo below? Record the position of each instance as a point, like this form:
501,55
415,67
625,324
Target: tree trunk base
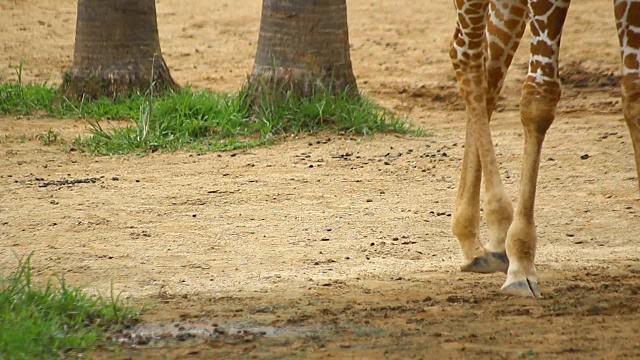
83,83
269,82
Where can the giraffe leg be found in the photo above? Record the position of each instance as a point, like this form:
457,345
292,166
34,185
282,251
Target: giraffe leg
467,52
468,56
540,95
631,108
465,221
628,22
466,215
504,31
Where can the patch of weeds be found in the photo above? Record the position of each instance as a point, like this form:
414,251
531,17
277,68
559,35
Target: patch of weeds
122,108
526,353
361,330
199,121
317,337
50,137
24,98
346,112
205,121
53,321
202,121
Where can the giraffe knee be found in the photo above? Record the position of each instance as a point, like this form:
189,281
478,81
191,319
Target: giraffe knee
538,108
464,233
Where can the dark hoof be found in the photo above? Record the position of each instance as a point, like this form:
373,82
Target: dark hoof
490,262
525,288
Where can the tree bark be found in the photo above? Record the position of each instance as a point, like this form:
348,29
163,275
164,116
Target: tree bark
117,50
303,47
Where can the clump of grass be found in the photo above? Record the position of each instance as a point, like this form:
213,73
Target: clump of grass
49,137
345,111
183,119
203,120
51,321
24,98
27,99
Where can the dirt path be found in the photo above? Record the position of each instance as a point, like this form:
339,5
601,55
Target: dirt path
327,245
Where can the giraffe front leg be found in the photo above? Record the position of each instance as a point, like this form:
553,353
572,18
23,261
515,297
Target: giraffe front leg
540,95
537,108
631,108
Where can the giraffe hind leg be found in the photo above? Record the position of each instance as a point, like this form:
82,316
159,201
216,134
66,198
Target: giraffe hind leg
504,28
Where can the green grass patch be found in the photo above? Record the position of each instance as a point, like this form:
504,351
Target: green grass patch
29,99
202,120
41,322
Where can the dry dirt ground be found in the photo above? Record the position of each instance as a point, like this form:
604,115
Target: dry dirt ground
322,245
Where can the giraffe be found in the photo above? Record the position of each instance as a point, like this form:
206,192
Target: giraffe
487,35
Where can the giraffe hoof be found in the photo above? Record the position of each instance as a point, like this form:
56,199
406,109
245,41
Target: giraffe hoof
523,288
490,262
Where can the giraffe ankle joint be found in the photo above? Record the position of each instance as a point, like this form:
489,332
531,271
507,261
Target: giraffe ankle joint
464,227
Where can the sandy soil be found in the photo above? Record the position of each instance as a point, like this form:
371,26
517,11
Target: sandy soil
323,245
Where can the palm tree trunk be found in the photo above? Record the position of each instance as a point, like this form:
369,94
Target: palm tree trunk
117,50
303,47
